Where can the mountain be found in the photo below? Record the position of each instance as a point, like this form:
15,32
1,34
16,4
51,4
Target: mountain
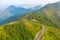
17,10
4,14
36,8
27,26
52,10
12,12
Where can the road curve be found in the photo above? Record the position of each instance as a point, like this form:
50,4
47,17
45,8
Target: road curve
40,33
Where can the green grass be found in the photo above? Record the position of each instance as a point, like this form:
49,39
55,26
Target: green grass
27,26
51,33
19,31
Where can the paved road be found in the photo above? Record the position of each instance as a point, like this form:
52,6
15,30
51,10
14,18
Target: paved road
40,33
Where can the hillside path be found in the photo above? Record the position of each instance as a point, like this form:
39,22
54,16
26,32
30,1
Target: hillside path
40,34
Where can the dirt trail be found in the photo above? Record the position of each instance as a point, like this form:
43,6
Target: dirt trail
40,33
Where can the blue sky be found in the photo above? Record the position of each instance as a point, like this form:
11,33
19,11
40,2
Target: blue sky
25,3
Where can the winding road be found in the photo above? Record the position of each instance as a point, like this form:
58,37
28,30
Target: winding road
40,33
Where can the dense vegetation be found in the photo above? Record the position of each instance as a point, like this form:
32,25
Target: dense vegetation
19,30
26,27
51,25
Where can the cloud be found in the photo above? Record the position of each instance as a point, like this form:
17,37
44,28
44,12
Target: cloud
25,2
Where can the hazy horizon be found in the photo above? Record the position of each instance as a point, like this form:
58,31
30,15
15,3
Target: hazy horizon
25,3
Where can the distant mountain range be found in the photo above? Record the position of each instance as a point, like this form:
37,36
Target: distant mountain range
17,10
36,8
12,12
26,27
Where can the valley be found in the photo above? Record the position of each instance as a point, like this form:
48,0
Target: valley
42,24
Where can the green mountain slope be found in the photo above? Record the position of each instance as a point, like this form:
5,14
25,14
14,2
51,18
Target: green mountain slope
27,26
19,30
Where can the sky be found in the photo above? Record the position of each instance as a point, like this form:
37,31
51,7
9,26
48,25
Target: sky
25,3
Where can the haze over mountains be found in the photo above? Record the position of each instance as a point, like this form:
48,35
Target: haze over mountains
26,26
12,12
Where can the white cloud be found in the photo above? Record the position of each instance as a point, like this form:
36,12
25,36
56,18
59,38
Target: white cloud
25,2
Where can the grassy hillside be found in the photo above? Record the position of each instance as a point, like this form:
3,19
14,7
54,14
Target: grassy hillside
51,25
27,26
19,30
